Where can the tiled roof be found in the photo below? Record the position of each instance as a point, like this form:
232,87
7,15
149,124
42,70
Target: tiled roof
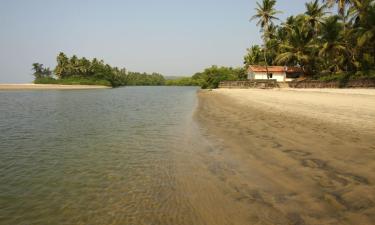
273,69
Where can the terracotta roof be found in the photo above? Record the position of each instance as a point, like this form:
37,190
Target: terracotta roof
273,69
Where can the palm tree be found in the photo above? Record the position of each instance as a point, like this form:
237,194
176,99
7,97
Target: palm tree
314,14
74,66
265,13
360,9
254,55
333,44
61,69
298,46
341,7
342,11
38,70
363,19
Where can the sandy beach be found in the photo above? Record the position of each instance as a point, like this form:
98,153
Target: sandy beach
48,87
293,156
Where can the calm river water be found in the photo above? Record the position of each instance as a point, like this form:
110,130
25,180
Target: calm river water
115,156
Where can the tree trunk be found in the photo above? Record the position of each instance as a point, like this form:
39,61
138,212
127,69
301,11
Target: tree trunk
265,51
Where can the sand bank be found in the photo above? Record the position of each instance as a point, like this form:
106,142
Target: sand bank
48,87
293,157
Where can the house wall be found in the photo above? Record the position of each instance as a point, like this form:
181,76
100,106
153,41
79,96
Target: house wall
250,76
280,77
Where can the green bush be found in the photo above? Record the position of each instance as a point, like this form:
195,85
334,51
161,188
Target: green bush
211,77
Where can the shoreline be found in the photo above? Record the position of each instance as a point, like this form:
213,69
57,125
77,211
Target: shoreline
49,87
300,157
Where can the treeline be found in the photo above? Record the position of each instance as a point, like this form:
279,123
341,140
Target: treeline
210,77
76,70
324,44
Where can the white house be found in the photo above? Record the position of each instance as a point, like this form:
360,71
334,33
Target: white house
279,73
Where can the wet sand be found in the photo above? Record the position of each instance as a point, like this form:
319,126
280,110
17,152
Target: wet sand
48,87
284,157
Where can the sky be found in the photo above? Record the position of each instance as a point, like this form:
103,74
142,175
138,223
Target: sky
172,37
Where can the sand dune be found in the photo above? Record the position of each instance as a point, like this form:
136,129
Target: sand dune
48,87
293,157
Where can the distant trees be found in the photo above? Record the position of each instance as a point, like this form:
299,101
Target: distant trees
76,70
144,79
40,71
183,81
318,41
212,76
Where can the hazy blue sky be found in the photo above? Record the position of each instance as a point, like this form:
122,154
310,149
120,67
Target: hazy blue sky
173,37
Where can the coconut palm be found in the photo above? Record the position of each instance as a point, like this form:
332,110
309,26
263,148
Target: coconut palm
363,13
298,49
254,56
341,5
61,69
266,15
333,44
40,71
360,9
314,14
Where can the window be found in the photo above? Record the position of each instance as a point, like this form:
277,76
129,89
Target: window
271,75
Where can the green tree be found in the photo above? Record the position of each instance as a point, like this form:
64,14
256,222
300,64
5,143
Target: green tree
363,19
62,67
315,14
341,6
265,14
254,56
333,44
211,77
298,48
40,71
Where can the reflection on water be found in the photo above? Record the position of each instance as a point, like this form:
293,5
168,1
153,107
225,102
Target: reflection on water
94,156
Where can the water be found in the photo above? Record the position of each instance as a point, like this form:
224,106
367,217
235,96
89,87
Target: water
95,156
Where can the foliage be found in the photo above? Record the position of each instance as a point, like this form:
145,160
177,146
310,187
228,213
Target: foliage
40,71
318,41
144,79
46,80
342,76
72,81
254,56
211,77
183,81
